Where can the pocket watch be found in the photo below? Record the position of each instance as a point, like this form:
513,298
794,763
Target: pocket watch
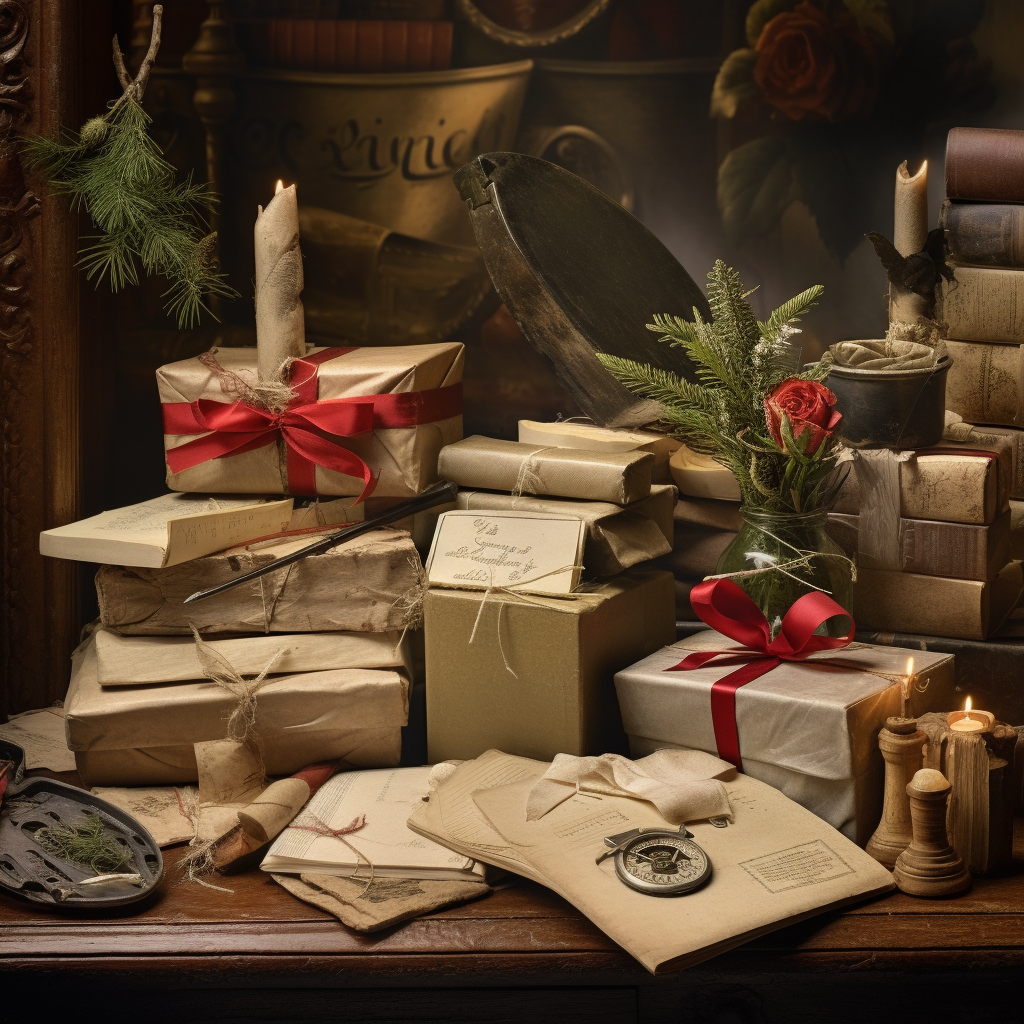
658,861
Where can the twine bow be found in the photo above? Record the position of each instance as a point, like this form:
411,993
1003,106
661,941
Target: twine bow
313,824
727,609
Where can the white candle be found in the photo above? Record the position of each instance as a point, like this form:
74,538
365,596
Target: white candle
280,327
910,222
970,721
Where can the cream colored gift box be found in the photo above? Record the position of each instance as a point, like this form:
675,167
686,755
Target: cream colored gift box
363,585
533,675
807,728
402,458
144,735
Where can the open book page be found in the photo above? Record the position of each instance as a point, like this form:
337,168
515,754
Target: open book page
775,864
384,798
451,818
168,530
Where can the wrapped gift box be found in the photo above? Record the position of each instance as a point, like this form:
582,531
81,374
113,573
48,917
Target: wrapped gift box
494,465
591,437
1016,442
135,660
808,728
617,537
143,735
933,548
956,482
363,585
536,680
359,415
905,602
984,383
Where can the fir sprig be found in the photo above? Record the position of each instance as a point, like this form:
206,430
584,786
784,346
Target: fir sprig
116,172
739,361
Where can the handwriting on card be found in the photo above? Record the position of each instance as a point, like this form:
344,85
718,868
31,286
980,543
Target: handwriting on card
522,550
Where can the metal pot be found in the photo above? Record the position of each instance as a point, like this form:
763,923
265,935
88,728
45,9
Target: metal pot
891,408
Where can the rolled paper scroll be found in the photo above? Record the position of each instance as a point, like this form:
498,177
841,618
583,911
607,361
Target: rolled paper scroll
280,327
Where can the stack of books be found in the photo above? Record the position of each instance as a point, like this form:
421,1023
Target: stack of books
346,35
983,305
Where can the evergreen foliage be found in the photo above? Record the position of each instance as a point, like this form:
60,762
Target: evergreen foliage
116,172
86,841
739,361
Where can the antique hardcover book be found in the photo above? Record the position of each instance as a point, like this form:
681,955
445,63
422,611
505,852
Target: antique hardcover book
984,383
985,163
168,530
984,234
382,801
983,304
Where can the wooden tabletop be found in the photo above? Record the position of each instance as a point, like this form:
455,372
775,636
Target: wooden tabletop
520,937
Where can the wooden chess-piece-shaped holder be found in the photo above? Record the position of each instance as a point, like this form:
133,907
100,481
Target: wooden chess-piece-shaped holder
929,866
902,745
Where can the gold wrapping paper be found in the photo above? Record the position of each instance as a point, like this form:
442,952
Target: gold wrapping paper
810,730
986,383
932,548
361,585
404,459
904,602
300,719
948,487
617,537
536,680
494,465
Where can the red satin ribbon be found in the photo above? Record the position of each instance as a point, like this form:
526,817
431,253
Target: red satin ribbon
726,608
311,429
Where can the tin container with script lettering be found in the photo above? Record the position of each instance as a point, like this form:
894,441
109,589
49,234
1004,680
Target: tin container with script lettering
379,147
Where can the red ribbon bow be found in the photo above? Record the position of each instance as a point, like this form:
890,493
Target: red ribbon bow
726,608
311,429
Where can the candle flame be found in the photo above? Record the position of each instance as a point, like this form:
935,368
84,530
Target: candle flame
967,710
910,667
279,187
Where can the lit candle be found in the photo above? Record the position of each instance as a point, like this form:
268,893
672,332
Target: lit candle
970,721
905,688
280,327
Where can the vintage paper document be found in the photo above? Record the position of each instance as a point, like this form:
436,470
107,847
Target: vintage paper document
530,551
776,863
41,735
370,811
168,530
159,809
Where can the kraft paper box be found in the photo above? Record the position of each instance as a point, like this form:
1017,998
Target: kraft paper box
363,585
301,719
135,660
807,728
1015,438
493,465
390,410
904,602
947,483
536,680
932,548
985,384
617,537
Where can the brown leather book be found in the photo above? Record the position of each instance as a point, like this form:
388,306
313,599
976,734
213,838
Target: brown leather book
985,164
984,234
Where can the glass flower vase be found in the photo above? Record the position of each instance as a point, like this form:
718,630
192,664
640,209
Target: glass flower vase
777,558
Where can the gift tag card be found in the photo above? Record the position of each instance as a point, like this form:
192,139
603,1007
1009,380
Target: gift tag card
530,552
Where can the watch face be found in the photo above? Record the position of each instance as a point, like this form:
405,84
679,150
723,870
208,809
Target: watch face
662,865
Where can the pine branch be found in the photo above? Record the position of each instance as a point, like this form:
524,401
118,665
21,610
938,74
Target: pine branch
791,311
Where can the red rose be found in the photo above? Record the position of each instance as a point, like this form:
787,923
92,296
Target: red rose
807,405
812,67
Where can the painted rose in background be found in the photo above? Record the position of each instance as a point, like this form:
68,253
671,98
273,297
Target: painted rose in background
831,95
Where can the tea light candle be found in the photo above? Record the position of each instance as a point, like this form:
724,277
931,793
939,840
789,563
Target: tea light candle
970,721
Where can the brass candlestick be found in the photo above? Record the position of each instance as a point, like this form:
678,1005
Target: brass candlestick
902,746
929,866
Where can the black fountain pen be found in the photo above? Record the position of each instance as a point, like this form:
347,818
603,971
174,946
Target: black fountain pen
436,495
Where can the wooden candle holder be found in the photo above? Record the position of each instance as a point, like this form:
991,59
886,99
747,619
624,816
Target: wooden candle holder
980,769
902,745
930,866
